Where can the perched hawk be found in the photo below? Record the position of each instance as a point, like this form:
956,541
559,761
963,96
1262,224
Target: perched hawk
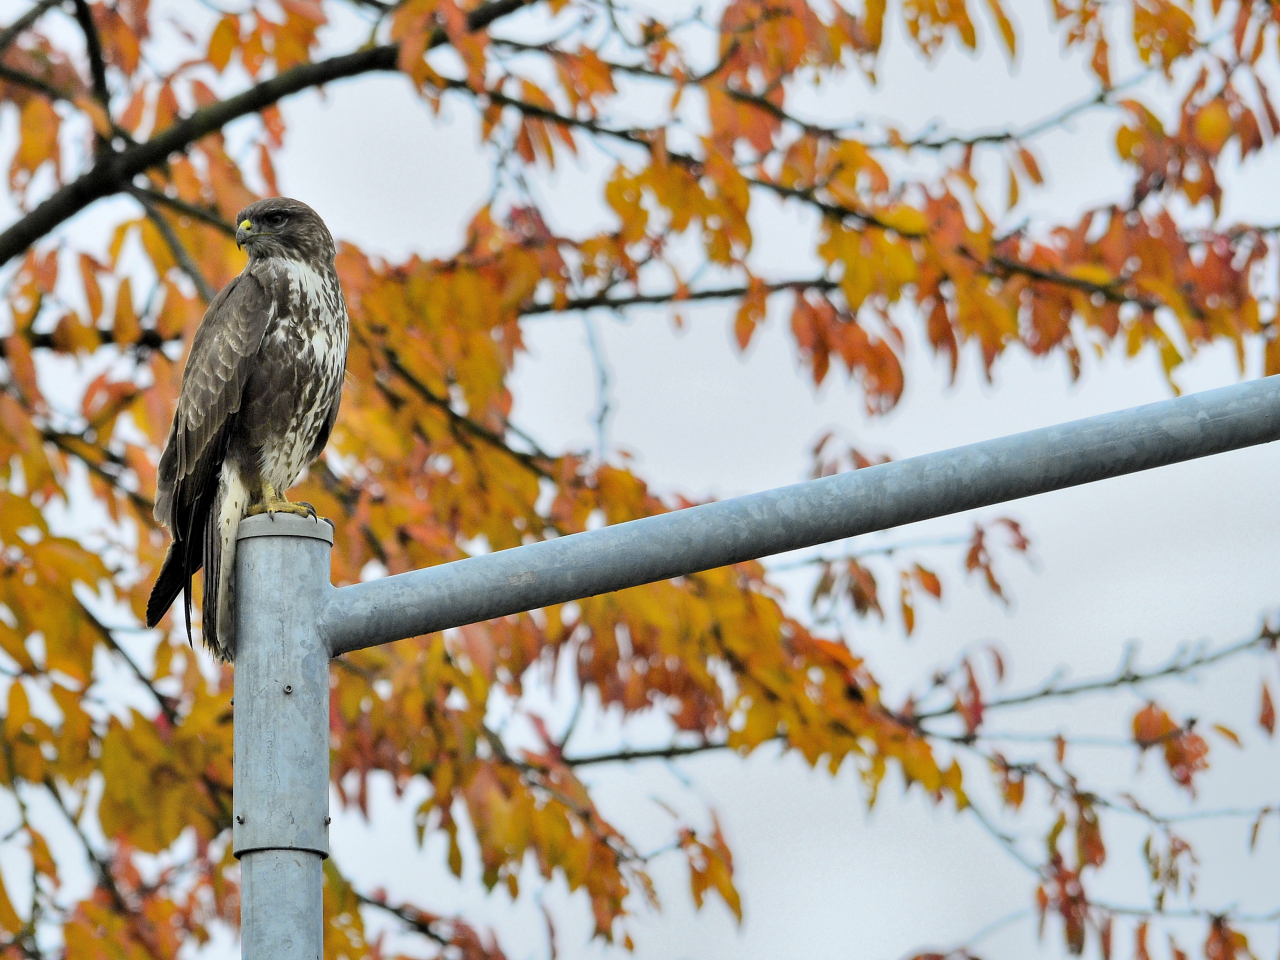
259,398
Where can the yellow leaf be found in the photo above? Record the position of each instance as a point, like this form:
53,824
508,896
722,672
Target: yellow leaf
751,312
1006,28
1213,125
1093,273
225,37
19,712
1227,733
10,922
42,856
908,609
908,221
125,329
875,22
17,513
38,143
953,780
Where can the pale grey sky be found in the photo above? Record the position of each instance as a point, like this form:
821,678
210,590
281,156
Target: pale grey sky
1182,554
1186,553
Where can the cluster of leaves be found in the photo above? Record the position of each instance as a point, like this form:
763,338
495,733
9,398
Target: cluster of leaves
425,461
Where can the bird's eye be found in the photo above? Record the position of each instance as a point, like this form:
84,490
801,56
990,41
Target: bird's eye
275,220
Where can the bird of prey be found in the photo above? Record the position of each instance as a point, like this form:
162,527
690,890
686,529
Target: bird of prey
259,398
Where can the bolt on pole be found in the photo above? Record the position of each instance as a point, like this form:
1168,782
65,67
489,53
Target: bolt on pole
290,620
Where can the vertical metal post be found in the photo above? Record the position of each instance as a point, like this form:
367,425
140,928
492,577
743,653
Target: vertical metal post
281,798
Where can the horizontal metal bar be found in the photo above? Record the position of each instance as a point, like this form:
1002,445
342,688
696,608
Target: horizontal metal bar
745,528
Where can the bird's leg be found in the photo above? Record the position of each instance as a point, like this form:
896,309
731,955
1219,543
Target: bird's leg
273,503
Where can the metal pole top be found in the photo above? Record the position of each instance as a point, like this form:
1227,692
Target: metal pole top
284,525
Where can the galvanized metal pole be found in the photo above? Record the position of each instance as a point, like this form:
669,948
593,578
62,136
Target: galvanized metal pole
281,798
290,620
879,497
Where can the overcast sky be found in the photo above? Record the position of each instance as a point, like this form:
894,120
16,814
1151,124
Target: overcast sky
1182,554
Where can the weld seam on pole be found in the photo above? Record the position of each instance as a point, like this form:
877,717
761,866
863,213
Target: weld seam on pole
819,511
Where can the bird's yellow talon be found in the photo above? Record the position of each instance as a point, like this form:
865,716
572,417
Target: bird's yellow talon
273,505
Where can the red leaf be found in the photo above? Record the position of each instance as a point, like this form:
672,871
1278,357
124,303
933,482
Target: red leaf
1140,942
1029,164
971,705
998,661
928,581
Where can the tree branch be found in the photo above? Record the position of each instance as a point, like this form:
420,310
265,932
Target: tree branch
536,461
77,446
411,917
208,217
93,48
1103,97
176,247
996,265
653,753
113,172
1126,676
17,77
1112,291
100,864
167,704
24,22
1179,665
716,293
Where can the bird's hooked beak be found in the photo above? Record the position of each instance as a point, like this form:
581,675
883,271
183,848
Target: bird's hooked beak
243,232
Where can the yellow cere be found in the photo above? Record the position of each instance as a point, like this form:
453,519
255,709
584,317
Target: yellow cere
246,224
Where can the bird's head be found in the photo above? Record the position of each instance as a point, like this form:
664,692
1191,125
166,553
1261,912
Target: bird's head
281,227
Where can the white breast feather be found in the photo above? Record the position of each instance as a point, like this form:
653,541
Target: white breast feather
306,284
314,303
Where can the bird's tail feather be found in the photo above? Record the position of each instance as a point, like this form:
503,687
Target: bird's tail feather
221,526
173,578
181,563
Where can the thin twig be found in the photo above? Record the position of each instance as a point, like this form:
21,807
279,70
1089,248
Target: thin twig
209,217
1125,677
93,49
412,917
166,703
650,753
535,461
100,866
887,550
603,406
24,22
180,253
1008,843
11,75
607,302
